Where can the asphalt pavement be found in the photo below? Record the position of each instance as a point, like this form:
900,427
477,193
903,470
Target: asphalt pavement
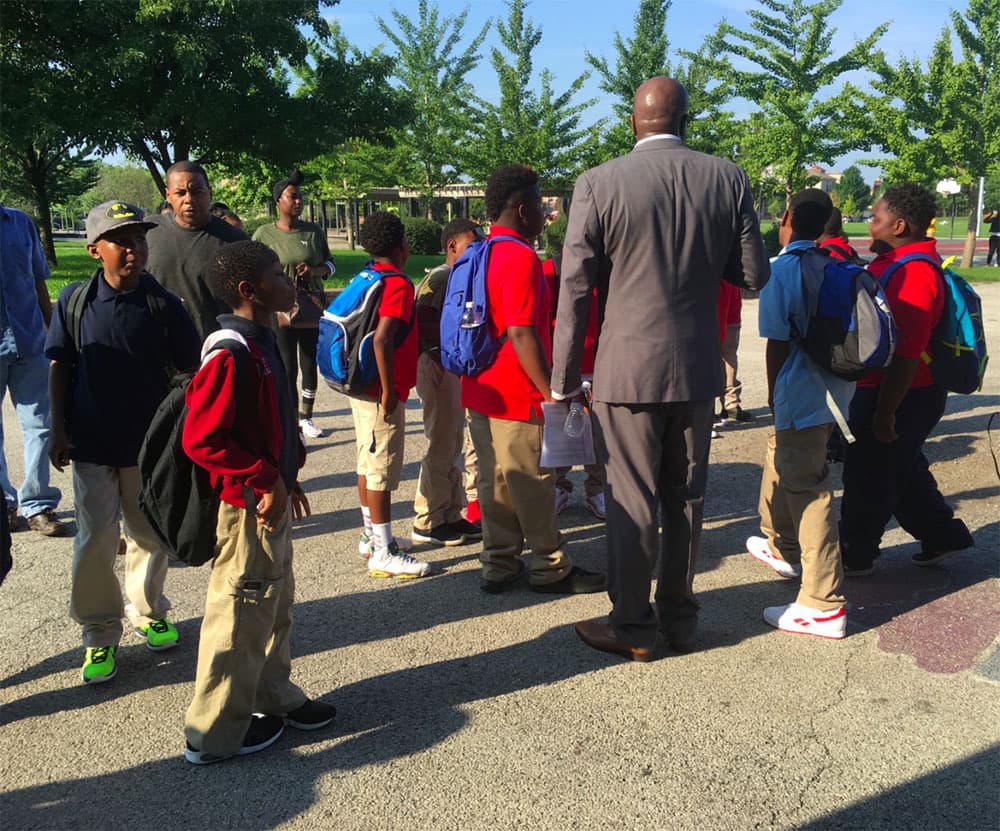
460,710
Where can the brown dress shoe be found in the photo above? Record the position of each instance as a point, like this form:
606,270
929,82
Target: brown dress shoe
47,523
600,636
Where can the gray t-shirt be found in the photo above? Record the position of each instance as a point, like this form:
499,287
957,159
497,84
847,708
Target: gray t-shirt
181,260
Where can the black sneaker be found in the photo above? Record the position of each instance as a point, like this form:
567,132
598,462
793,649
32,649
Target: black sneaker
467,529
442,534
263,732
500,586
930,557
311,716
739,414
578,581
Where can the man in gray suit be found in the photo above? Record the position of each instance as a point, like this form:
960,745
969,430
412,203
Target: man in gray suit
656,231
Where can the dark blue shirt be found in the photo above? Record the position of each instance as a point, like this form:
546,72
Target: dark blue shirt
22,265
266,341
122,369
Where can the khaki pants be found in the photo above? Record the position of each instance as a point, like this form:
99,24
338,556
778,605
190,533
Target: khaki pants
439,486
380,443
471,475
734,387
593,485
103,495
517,501
244,658
796,512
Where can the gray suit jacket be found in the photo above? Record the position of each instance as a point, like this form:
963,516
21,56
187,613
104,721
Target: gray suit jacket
656,231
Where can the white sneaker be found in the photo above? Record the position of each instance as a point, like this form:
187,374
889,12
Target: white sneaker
366,545
562,500
758,548
391,562
805,621
309,429
596,505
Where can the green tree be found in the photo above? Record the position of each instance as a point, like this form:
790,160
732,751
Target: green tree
852,188
637,58
432,68
945,120
789,42
542,129
125,182
43,122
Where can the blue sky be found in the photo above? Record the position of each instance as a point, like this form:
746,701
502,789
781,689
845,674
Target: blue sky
571,27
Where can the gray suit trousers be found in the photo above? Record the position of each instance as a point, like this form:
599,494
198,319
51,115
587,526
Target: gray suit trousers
656,457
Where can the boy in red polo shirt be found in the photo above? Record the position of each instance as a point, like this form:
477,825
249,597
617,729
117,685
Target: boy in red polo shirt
380,423
885,471
516,496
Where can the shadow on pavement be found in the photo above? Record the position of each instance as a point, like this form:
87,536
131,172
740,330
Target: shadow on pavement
962,795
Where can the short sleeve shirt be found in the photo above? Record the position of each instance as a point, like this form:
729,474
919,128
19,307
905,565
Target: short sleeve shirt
306,244
397,303
801,387
516,296
915,293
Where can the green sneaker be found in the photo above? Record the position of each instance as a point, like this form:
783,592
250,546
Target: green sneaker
99,664
159,634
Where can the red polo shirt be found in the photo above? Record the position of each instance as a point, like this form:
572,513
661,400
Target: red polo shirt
516,296
916,298
397,302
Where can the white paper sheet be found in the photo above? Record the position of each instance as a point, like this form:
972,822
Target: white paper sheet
560,450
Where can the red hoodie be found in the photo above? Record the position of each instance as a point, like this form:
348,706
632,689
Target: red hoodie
212,425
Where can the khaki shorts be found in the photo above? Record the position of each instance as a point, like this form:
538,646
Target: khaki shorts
383,466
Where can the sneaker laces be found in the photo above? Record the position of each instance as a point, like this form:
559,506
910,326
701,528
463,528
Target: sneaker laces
161,627
99,654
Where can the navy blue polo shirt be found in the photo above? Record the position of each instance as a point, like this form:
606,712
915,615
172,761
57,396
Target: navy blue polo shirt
122,369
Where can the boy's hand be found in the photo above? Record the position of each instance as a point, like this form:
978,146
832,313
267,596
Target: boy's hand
884,427
300,503
272,505
389,403
59,449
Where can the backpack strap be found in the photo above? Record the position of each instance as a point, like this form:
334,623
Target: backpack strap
895,265
81,296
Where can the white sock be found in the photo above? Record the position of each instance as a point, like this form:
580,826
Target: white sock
382,534
366,515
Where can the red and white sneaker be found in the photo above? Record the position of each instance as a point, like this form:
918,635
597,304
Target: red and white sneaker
805,621
759,549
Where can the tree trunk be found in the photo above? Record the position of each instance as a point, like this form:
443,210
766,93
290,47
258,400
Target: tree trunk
970,236
352,218
35,171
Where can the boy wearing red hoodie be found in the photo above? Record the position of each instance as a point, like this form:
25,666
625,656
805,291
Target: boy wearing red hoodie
243,693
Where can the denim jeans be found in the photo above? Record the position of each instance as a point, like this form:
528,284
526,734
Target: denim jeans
28,382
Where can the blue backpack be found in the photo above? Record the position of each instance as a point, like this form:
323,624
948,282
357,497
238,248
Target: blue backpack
345,354
956,352
851,331
467,345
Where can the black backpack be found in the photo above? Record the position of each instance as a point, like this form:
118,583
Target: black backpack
176,495
156,303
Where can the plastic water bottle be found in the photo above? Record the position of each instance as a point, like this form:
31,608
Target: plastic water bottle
470,319
573,426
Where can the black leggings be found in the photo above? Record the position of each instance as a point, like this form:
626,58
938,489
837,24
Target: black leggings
294,344
994,249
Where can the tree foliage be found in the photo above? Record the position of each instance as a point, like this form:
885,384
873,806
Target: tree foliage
432,67
853,189
790,44
944,121
542,129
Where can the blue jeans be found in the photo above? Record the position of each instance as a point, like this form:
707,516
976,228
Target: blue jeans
28,381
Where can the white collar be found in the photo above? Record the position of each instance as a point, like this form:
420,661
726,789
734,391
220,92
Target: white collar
659,136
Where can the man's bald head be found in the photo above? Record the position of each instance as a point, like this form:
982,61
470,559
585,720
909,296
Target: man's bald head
661,106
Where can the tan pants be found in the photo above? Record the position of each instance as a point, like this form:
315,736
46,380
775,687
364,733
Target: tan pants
471,475
593,484
796,512
379,443
244,658
103,495
439,497
517,501
734,387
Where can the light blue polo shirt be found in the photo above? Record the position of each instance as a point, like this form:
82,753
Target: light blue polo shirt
800,389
